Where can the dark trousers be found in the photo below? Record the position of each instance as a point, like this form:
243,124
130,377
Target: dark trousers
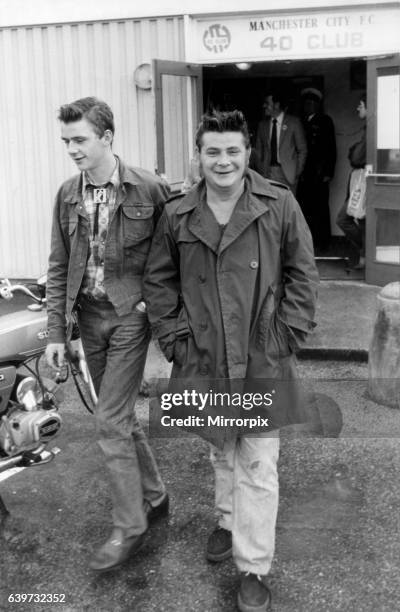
313,197
353,229
116,349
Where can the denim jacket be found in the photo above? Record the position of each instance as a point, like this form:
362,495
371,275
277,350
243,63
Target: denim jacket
139,204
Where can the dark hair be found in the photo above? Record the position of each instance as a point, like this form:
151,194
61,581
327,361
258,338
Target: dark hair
97,112
363,97
277,96
230,121
311,96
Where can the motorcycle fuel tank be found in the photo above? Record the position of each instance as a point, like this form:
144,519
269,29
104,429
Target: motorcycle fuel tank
23,334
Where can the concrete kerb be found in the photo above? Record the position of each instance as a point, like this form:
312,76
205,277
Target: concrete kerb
345,316
333,354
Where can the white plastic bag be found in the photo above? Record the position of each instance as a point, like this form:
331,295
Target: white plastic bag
356,204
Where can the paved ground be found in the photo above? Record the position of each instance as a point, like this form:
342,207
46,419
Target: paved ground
339,511
337,544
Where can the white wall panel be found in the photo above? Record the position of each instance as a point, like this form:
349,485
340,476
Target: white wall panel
28,12
42,68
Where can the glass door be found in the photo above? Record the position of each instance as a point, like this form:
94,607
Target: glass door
383,171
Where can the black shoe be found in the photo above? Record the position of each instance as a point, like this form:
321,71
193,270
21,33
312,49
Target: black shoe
254,595
360,265
116,550
154,513
219,545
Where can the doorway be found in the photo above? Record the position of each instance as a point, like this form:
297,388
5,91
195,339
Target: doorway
179,94
342,82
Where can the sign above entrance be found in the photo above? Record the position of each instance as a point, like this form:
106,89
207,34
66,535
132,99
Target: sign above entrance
265,37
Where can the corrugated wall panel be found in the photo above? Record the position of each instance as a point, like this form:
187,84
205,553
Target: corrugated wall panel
42,68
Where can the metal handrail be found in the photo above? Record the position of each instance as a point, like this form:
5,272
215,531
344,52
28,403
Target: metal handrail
382,175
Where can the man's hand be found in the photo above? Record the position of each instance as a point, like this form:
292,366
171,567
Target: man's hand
55,354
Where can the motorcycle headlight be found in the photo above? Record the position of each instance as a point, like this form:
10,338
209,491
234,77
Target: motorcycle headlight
26,393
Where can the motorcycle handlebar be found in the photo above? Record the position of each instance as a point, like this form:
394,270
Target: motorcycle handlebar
7,291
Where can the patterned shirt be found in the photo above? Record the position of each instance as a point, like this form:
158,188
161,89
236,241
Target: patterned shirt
99,201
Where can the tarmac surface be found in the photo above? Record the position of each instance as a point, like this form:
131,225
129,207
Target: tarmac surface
337,544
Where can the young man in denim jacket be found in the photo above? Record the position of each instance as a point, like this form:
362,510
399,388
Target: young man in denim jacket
103,222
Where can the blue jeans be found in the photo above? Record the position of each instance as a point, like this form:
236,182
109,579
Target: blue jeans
115,349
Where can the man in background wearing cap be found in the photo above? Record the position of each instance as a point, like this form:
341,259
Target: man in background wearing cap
313,192
281,143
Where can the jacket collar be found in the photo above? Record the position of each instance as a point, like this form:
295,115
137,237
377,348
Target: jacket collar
259,186
74,194
248,208
255,184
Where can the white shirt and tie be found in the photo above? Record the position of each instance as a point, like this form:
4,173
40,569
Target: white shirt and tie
291,148
278,122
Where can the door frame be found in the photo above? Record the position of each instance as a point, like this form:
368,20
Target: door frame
380,196
173,68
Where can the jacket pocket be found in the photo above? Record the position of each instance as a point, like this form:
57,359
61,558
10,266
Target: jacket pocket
137,222
72,225
182,333
182,329
180,351
135,257
264,320
73,236
278,340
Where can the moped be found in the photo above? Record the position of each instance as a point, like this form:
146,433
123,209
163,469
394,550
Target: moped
29,401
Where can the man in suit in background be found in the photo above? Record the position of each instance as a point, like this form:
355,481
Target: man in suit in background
313,192
281,143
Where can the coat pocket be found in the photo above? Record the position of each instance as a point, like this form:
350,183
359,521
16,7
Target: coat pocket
182,334
272,336
180,351
277,339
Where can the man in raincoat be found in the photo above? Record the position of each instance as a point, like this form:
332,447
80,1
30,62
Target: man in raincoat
230,286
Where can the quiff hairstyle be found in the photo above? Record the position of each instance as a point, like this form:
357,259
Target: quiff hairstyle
217,121
97,112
